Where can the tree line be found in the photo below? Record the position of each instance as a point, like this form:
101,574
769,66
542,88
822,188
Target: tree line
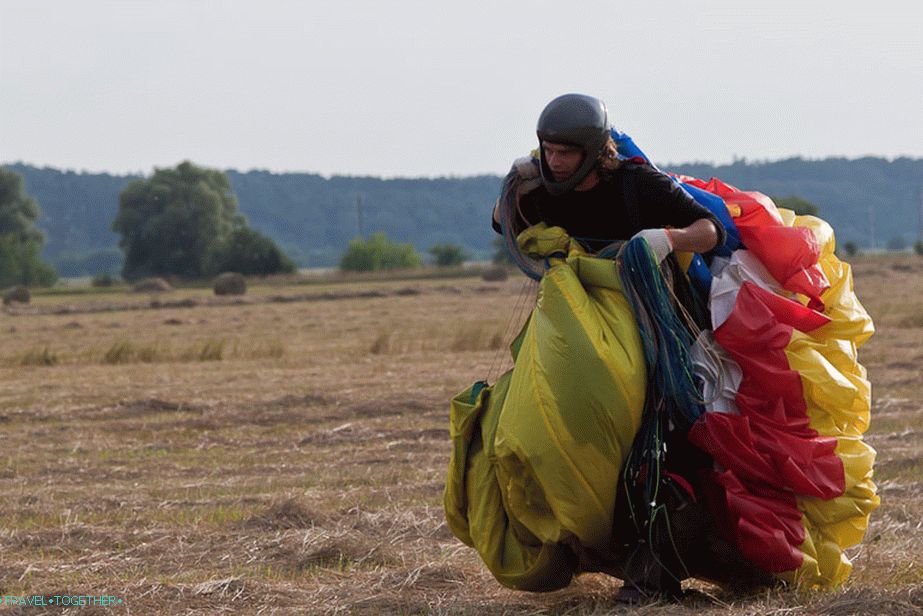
181,222
870,202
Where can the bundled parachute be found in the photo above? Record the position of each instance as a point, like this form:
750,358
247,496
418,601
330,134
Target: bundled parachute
536,457
793,480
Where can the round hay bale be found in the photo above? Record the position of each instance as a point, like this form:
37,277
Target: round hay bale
495,274
152,285
17,294
230,283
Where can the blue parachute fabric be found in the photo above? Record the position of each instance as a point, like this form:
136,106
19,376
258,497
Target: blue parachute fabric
716,206
625,145
700,277
699,273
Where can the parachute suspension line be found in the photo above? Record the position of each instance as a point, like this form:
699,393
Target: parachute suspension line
667,335
660,511
526,291
672,396
513,186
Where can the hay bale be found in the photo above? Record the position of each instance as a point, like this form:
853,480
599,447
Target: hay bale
230,283
151,285
17,294
495,274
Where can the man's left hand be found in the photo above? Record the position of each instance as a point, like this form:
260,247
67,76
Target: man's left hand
659,241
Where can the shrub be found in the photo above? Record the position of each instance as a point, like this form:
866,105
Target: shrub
378,253
103,279
448,255
800,206
851,249
495,274
250,253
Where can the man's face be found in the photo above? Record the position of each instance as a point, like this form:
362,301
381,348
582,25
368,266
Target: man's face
562,159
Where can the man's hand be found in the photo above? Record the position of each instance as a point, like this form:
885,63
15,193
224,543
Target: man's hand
659,240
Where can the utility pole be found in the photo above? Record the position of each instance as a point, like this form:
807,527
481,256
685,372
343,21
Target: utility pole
871,214
359,215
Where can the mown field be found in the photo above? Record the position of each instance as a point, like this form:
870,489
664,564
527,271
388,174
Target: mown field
287,453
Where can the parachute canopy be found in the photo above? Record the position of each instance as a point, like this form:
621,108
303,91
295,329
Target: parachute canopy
536,457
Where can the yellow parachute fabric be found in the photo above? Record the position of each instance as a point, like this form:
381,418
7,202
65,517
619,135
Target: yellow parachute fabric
536,458
838,399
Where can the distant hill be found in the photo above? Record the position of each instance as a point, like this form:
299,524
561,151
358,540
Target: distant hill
313,218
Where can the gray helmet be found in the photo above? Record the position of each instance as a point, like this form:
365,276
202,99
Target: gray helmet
578,120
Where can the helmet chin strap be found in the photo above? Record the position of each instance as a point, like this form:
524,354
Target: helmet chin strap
559,188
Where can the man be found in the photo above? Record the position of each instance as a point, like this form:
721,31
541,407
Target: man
599,199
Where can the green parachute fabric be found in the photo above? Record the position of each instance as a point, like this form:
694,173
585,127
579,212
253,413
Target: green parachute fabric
536,458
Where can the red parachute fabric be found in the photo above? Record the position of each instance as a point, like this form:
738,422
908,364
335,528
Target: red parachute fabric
769,450
789,253
765,525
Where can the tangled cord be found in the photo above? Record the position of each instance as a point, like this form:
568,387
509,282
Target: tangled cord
672,396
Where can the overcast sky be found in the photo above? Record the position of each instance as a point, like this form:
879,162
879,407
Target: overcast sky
425,88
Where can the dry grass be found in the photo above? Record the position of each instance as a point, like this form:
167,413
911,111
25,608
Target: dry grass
289,456
127,351
471,337
37,357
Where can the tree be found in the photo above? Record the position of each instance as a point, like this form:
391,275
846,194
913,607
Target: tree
20,241
448,255
247,251
184,222
918,247
800,206
378,253
851,249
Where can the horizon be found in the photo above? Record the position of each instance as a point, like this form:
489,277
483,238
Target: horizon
664,166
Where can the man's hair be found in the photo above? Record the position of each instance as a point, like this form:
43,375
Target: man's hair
609,159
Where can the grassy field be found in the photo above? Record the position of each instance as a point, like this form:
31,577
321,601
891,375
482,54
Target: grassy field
288,453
